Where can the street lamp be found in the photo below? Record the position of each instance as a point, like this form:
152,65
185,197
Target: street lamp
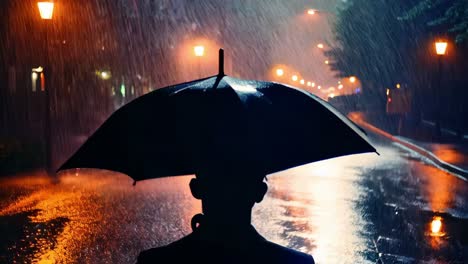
352,79
294,78
441,50
279,72
311,12
441,47
320,46
199,52
46,10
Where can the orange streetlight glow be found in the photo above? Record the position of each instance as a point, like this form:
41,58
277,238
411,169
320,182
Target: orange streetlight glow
441,47
279,72
319,87
294,78
302,82
46,9
352,79
311,12
309,83
313,84
199,50
327,62
320,46
436,226
340,86
398,86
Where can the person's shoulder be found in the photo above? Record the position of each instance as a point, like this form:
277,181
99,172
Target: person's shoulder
163,254
288,255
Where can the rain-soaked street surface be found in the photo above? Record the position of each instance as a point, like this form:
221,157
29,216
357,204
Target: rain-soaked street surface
356,209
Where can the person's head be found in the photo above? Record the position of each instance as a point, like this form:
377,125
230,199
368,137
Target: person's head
229,195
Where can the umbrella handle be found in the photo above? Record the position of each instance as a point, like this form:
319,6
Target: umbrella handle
221,62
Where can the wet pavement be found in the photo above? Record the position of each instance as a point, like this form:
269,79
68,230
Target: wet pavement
392,208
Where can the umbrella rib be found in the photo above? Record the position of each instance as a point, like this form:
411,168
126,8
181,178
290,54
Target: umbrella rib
218,80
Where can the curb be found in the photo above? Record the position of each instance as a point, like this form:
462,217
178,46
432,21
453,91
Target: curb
452,169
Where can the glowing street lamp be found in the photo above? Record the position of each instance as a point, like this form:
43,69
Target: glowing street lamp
279,72
311,12
320,46
199,50
46,9
302,82
327,62
294,78
309,83
441,47
352,79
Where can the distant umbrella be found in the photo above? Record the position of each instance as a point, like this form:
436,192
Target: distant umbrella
219,122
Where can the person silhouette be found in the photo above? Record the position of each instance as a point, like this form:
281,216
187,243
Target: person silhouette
223,233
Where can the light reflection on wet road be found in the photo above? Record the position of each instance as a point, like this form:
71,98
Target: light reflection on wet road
354,209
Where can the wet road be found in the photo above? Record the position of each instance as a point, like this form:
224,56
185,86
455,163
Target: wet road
357,209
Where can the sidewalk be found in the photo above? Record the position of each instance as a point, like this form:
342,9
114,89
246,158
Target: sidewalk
450,155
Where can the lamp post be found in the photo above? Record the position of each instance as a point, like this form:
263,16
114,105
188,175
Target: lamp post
441,50
199,52
46,10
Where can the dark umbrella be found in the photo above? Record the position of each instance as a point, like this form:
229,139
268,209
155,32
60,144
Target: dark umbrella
219,122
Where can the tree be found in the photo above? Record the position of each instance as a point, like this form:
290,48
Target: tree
453,14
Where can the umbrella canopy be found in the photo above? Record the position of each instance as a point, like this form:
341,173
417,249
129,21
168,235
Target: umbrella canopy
219,122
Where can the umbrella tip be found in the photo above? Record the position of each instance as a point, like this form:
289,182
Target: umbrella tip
221,62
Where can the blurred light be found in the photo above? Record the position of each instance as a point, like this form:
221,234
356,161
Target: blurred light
320,46
199,50
122,90
398,86
309,83
339,82
279,72
441,47
38,69
42,78
302,81
34,77
436,226
46,9
319,87
358,90
311,12
388,92
295,78
327,62
352,79
105,75
313,84
340,86
389,100
332,95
